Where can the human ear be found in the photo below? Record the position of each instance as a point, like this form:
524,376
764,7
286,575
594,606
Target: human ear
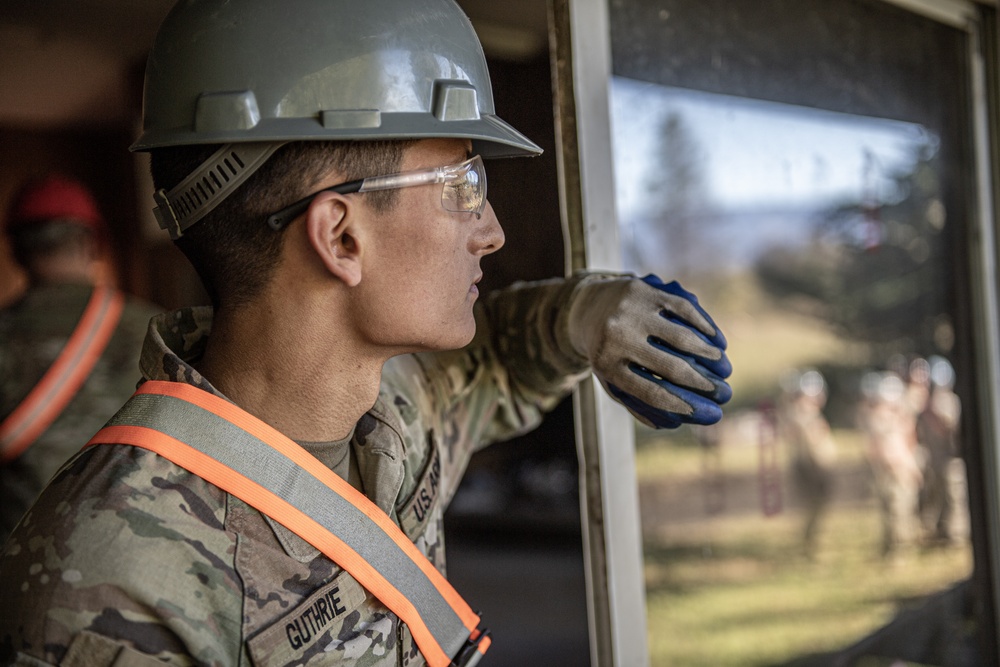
332,235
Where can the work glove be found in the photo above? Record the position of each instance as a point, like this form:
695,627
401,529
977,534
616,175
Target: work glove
652,347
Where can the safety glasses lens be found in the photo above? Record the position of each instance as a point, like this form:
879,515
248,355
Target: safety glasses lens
465,188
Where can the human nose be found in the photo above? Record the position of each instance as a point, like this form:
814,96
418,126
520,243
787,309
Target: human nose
489,236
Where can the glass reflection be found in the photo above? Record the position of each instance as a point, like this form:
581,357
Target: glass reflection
834,490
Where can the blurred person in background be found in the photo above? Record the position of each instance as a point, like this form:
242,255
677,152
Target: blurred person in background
813,450
889,420
69,346
944,505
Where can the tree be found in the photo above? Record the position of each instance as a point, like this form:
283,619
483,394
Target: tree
876,270
668,238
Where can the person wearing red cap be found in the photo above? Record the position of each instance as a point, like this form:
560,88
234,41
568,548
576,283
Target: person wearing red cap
68,347
55,230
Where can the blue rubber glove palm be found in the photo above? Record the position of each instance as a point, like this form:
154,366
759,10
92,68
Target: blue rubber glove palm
653,348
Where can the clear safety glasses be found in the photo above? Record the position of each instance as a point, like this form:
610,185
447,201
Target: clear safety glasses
464,189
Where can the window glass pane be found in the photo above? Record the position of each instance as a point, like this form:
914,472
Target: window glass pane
787,164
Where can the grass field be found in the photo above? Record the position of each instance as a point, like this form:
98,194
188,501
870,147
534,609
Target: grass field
728,586
734,589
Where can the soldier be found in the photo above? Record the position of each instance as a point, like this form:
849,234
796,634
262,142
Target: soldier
68,347
813,449
273,494
944,492
889,419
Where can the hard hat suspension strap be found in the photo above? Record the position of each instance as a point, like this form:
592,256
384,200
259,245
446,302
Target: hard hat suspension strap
205,188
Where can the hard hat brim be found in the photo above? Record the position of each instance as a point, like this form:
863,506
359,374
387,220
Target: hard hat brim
491,136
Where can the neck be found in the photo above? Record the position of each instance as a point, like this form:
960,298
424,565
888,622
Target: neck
288,363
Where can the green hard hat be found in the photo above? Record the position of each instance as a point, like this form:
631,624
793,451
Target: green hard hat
266,71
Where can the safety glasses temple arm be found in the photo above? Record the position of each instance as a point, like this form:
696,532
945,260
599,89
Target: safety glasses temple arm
404,180
280,220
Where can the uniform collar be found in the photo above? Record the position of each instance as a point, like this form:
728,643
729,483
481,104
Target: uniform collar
174,342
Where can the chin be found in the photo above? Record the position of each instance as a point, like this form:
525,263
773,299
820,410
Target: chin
453,338
454,342
437,343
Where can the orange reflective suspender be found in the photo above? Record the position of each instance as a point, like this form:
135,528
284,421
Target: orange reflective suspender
240,454
63,379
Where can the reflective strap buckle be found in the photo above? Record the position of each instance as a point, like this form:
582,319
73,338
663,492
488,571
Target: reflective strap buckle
470,653
164,213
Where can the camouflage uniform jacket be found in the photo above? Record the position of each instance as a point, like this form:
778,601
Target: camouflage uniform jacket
127,555
33,332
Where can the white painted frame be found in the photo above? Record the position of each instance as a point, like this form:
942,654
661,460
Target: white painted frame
605,436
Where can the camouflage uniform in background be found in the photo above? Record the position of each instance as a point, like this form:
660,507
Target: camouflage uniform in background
127,555
890,422
944,495
814,455
33,332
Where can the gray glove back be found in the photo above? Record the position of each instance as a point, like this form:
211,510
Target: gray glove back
653,348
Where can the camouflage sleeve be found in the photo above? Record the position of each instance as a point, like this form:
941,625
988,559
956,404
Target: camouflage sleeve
519,365
126,546
525,350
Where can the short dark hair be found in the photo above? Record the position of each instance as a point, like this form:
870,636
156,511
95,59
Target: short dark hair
232,248
43,239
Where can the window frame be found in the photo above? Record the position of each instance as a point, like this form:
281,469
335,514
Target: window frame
605,437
